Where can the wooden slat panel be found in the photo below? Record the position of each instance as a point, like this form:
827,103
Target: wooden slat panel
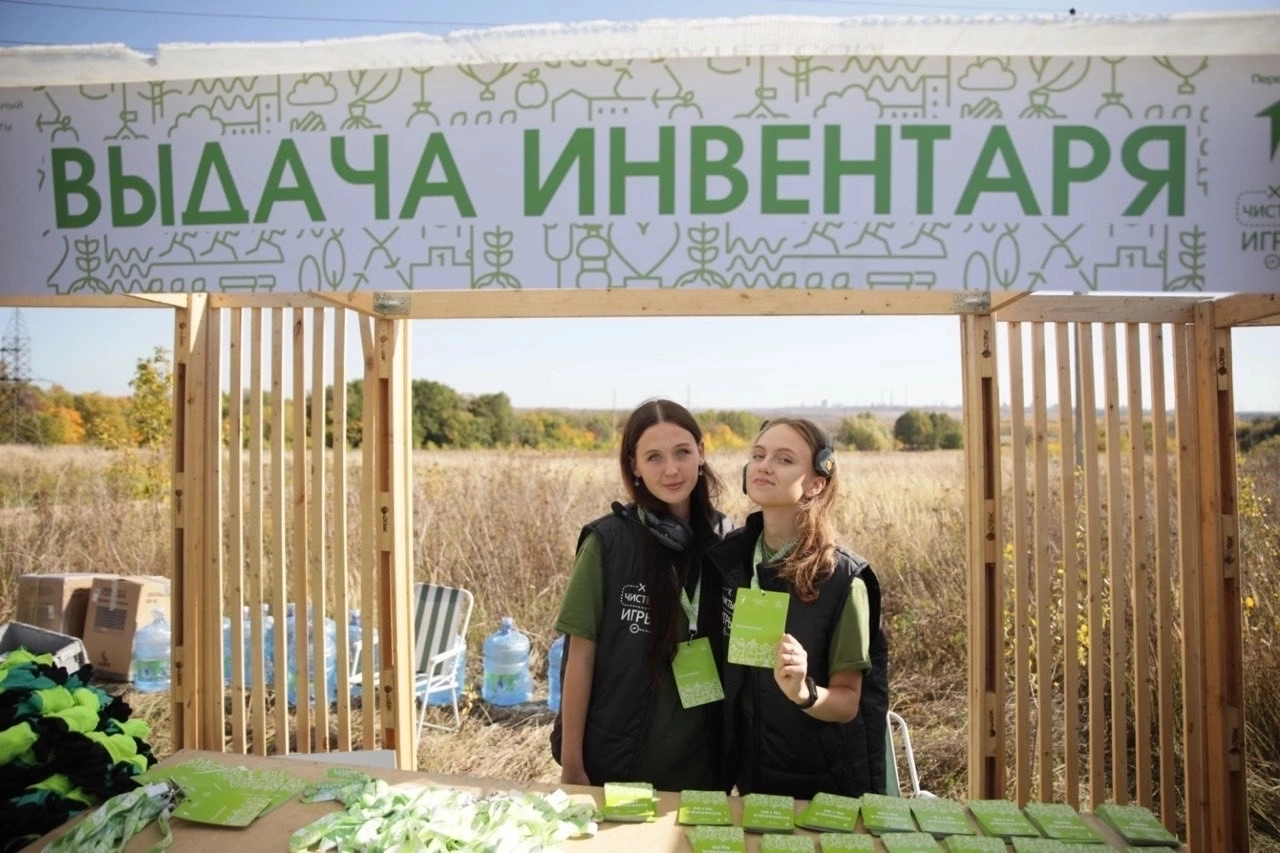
210,673
234,529
338,532
1195,760
279,566
985,553
1093,559
371,615
1228,816
300,556
185,727
1022,698
1044,570
257,512
191,591
1140,560
1162,508
1115,567
1070,574
1088,308
316,504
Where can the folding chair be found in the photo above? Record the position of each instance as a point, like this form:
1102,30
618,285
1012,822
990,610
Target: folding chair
892,784
441,615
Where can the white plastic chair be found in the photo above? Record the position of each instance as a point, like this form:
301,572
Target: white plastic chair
899,739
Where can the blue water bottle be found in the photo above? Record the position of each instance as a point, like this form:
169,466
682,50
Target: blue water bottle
151,650
506,666
555,657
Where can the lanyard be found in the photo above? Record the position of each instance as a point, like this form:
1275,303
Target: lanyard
758,559
691,607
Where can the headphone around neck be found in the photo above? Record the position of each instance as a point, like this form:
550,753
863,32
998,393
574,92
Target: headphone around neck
824,458
669,531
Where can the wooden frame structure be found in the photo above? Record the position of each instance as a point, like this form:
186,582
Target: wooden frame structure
257,523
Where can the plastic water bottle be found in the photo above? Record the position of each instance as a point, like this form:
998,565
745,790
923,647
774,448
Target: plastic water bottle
555,657
290,655
151,650
328,667
269,645
506,666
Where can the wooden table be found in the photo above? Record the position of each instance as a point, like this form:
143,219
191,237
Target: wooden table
272,831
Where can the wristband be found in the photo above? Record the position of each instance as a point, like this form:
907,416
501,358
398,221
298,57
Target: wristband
813,694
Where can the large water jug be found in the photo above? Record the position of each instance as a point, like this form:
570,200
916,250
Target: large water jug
506,666
555,657
329,671
151,649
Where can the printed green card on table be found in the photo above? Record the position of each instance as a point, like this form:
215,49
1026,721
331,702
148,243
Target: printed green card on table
777,843
1022,844
1002,818
704,808
830,813
973,844
759,621
629,802
939,817
1062,822
217,794
1137,825
768,813
717,839
883,814
844,842
909,842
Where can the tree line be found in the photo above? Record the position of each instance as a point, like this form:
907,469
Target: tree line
442,417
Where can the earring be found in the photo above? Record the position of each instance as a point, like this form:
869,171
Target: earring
635,481
699,470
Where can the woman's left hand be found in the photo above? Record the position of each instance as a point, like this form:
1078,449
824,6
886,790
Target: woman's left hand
791,668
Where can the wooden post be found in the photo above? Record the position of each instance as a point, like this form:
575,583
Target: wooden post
394,572
985,551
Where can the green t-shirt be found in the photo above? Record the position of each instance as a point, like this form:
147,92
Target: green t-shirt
684,755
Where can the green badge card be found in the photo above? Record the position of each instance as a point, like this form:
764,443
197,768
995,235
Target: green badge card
830,813
695,672
846,842
629,802
768,813
704,808
786,844
759,621
717,839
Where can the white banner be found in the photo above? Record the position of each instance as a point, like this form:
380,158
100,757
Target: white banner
1154,174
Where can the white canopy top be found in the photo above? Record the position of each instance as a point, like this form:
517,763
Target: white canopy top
1200,34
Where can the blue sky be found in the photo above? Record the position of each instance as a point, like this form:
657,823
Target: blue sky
586,363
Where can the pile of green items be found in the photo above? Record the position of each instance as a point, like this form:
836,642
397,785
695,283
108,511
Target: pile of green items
379,816
65,746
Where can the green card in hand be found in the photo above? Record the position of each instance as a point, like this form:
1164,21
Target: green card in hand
759,621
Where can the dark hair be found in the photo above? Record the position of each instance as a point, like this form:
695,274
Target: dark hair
663,568
813,558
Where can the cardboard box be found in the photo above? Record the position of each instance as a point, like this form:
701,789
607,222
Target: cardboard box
68,652
56,601
119,607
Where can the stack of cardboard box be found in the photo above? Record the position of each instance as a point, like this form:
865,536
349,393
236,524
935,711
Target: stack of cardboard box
105,611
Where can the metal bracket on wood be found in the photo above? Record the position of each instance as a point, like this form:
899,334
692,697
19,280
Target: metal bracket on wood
971,302
391,303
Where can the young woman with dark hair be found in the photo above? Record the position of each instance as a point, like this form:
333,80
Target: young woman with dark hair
816,720
634,613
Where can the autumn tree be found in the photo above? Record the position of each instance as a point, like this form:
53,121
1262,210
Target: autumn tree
150,410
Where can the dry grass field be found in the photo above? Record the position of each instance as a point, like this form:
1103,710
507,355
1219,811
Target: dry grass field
504,525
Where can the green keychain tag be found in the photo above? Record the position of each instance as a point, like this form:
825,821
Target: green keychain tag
759,621
695,672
